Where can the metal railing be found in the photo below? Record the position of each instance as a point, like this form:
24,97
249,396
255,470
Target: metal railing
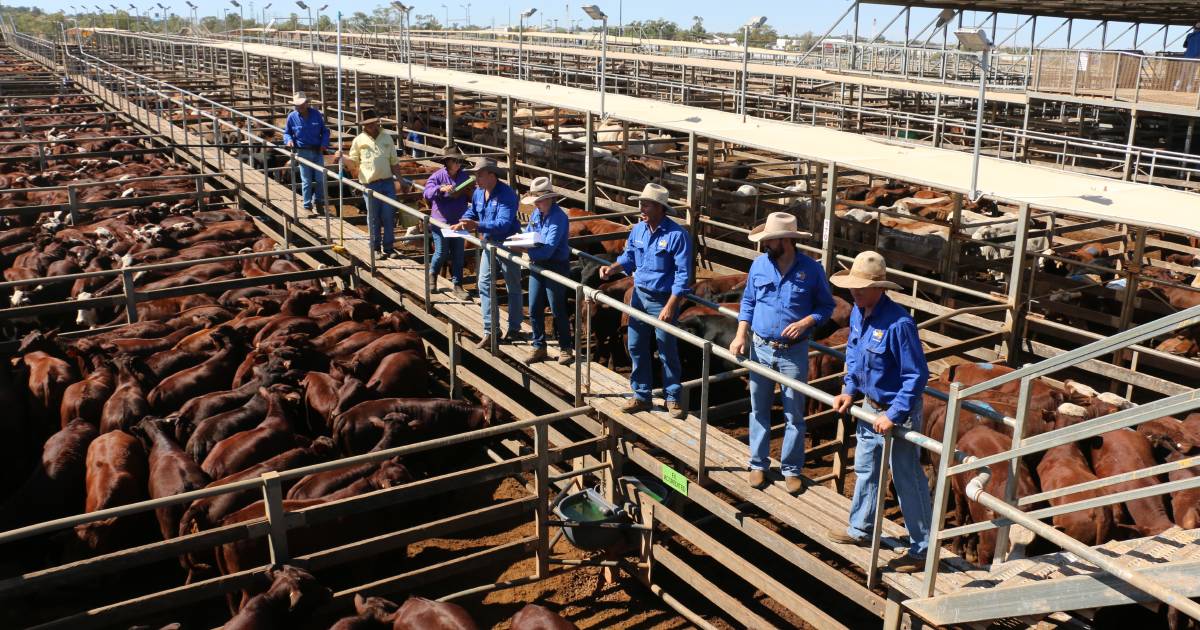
1118,75
945,449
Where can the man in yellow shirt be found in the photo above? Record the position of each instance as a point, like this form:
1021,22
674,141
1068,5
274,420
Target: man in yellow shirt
373,153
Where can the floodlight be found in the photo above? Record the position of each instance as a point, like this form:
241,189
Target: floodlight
594,12
973,39
529,13
756,22
301,4
235,3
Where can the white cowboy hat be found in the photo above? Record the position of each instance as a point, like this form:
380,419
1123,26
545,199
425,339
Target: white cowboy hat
868,272
485,164
777,225
299,98
656,193
540,189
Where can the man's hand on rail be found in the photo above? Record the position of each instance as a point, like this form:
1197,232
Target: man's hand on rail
882,423
795,329
466,225
842,402
607,271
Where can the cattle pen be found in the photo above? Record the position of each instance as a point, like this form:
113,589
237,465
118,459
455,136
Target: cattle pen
995,281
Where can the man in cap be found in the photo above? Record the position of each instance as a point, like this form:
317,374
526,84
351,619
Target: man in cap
1191,45
658,253
786,295
373,153
493,212
552,253
885,363
305,131
448,197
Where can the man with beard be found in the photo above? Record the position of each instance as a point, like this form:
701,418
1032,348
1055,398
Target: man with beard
786,296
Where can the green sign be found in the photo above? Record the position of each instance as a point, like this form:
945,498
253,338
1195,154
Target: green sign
674,480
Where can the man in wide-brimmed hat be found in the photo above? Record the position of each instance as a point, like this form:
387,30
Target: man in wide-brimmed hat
659,254
306,132
786,296
885,364
373,153
447,196
493,212
552,253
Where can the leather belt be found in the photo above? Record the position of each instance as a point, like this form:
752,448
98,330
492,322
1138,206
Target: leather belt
876,404
777,345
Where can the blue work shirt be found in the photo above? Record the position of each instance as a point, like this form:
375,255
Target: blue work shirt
658,260
306,132
772,302
554,229
884,359
1191,46
497,214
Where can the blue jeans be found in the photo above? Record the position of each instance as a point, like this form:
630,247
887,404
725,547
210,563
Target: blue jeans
444,247
792,362
512,283
312,180
381,218
641,379
912,489
541,290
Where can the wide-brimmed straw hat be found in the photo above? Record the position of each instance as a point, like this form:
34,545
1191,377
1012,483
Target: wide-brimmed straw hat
452,152
299,98
540,189
485,164
656,193
868,272
777,225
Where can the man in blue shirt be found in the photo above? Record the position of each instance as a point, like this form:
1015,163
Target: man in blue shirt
305,131
658,253
786,295
1191,45
886,365
552,228
493,212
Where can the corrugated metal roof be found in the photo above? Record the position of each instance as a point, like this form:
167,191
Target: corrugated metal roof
1178,12
1041,187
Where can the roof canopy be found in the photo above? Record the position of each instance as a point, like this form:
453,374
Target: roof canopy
1186,12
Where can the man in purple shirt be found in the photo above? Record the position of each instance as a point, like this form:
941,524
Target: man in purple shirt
448,207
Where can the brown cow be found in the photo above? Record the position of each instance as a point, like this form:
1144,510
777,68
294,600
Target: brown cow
128,405
334,335
1171,433
290,601
372,613
982,441
56,487
534,617
401,374
1064,466
274,435
49,377
85,398
212,375
1122,451
427,418
172,471
419,613
364,362
323,484
117,474
214,429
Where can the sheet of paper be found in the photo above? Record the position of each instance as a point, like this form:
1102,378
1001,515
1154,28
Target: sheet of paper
454,233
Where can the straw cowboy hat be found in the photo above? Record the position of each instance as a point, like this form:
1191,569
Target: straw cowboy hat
452,152
655,193
777,225
540,189
299,98
485,164
868,272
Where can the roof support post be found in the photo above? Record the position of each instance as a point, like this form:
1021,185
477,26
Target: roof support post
1014,316
1127,169
449,114
693,210
827,257
589,181
508,140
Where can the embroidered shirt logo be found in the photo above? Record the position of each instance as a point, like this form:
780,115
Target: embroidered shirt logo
877,335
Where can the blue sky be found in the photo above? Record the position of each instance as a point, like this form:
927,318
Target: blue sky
719,15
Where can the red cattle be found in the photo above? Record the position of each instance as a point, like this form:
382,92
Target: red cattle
56,487
364,362
212,375
293,596
1185,504
982,441
85,398
372,613
419,613
49,377
172,471
274,435
401,374
117,474
128,405
213,429
334,335
426,418
1171,433
322,484
1122,451
534,617
1064,466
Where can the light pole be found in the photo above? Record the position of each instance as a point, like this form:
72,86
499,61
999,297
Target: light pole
138,23
319,10
265,7
163,12
311,56
241,25
192,12
755,23
446,8
116,19
595,13
100,11
405,46
467,7
976,40
521,41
